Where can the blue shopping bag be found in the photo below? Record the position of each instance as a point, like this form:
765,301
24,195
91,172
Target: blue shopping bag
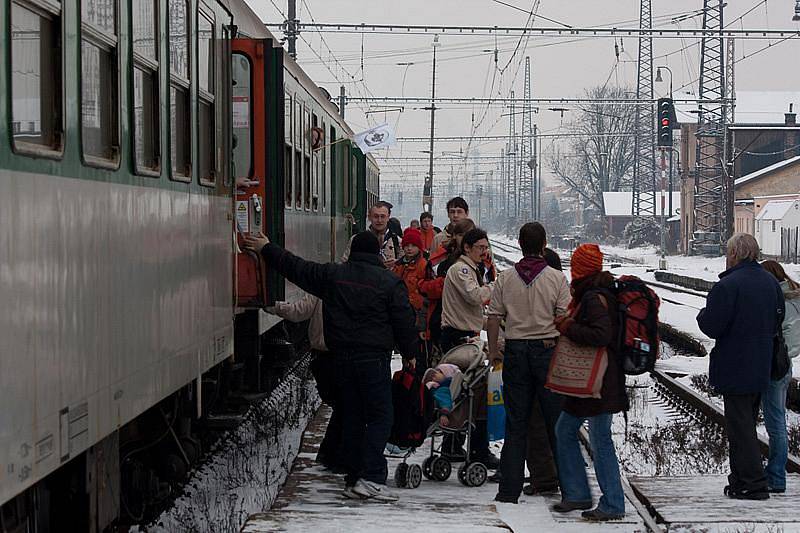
496,411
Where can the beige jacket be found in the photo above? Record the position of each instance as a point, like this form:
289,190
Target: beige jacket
530,310
463,297
309,307
388,250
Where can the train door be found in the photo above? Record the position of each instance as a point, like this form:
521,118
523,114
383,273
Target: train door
256,163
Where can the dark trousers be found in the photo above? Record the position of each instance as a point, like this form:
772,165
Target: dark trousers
525,366
541,463
741,415
365,393
323,369
451,337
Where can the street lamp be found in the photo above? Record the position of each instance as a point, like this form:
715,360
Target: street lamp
659,79
796,17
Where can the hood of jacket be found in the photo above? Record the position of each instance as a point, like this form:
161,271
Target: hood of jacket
788,293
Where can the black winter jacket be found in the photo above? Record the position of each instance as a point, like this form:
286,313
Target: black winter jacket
366,309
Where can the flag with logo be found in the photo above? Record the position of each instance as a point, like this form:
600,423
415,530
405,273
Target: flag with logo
375,138
496,411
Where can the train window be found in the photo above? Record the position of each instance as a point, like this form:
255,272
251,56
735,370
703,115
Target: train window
180,115
354,180
146,124
287,118
324,170
288,157
242,116
315,167
306,158
36,78
298,153
207,122
99,129
342,164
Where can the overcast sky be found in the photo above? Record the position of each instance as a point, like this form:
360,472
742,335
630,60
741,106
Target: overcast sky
561,67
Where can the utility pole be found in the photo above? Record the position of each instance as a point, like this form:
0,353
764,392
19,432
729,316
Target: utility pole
525,192
342,100
512,179
644,176
536,178
292,28
710,209
427,193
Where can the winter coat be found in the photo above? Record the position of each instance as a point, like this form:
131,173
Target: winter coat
791,321
390,245
309,307
412,271
741,315
427,239
442,238
593,322
464,296
366,309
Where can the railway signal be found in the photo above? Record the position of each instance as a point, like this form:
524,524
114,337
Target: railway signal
666,113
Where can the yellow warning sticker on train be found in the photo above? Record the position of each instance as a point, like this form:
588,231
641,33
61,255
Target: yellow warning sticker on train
242,216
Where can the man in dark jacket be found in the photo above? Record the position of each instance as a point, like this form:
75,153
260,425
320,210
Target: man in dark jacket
741,315
366,313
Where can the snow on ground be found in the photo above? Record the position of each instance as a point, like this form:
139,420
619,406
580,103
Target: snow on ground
312,501
248,468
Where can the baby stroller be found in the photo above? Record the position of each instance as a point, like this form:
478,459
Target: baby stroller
412,414
466,386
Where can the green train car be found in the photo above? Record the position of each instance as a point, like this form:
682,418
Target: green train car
131,136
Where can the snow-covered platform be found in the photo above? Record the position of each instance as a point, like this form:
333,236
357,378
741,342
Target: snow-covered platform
312,500
696,503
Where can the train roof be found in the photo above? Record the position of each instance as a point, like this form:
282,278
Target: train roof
250,25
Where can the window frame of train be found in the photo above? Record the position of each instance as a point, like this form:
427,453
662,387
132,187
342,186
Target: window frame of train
288,149
52,140
99,42
146,87
307,157
297,164
206,100
180,86
315,166
239,58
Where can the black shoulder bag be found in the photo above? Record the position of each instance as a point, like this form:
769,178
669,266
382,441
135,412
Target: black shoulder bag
780,353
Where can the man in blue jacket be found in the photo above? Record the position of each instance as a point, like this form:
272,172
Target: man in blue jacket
366,313
742,315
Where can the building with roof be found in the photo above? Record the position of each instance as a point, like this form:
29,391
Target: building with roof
763,153
618,208
775,223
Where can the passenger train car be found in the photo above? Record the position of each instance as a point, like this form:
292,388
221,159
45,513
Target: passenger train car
137,140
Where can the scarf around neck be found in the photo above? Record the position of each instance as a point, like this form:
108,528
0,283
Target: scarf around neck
529,267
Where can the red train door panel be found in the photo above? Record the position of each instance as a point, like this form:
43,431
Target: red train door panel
249,129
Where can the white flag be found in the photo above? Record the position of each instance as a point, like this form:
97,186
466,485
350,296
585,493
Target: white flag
373,139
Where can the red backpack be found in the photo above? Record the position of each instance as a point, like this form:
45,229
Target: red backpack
638,343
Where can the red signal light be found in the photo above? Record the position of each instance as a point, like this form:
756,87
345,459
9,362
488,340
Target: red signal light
665,122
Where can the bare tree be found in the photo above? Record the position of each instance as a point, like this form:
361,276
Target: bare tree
601,158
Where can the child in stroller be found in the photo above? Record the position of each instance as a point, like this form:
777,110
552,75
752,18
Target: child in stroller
466,370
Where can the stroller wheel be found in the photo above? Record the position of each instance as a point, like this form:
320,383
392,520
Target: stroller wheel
427,467
401,475
413,476
475,474
441,469
462,474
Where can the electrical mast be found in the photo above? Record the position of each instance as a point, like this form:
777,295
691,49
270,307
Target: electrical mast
644,163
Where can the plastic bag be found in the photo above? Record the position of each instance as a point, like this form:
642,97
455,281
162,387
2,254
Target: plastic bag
496,412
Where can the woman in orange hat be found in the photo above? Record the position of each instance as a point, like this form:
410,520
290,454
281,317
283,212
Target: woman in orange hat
592,321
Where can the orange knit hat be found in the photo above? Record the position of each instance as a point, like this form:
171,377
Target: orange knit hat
587,259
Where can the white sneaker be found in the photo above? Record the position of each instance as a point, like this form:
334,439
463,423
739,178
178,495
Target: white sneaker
372,491
348,492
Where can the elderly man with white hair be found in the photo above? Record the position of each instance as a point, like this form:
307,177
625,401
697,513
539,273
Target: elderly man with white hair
743,313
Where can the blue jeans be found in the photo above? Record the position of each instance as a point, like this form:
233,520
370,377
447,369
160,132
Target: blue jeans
572,469
525,368
773,404
365,403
